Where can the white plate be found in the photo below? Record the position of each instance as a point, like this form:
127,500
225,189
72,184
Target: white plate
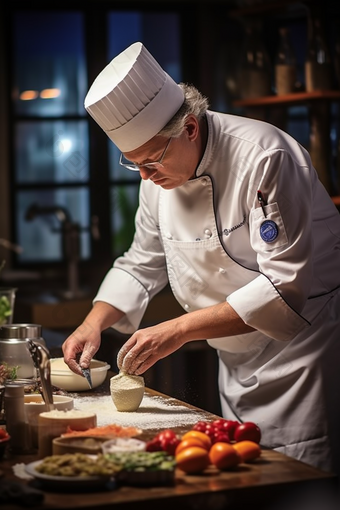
67,482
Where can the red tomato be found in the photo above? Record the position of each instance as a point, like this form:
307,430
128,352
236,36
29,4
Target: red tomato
166,434
154,445
200,426
170,445
168,441
219,423
248,431
220,437
229,427
224,456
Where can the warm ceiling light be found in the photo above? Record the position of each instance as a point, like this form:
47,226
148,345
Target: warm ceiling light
49,93
28,95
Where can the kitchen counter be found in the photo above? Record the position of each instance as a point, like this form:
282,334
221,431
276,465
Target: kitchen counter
272,482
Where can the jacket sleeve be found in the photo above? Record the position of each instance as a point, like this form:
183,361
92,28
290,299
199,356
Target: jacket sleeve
272,302
138,275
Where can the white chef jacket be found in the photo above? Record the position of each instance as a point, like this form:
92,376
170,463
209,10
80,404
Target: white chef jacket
209,239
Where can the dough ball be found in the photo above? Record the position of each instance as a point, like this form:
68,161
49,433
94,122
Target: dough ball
127,391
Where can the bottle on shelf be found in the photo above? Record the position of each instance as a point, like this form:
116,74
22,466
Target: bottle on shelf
318,64
285,65
255,70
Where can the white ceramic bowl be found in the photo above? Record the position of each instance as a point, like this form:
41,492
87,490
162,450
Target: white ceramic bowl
123,444
64,378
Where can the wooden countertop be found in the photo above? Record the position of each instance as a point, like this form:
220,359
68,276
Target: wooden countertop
267,483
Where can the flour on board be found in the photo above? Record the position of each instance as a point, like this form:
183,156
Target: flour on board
154,412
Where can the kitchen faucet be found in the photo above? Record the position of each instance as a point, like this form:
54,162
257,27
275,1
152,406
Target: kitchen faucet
70,243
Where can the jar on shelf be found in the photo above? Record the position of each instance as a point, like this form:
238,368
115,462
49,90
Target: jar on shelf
255,65
285,65
318,65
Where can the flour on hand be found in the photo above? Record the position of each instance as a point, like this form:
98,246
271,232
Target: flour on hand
127,391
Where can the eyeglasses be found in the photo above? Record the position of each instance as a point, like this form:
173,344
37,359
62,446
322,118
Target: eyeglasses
152,165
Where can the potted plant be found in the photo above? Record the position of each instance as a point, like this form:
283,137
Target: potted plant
7,299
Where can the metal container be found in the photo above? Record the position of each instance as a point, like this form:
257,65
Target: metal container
14,347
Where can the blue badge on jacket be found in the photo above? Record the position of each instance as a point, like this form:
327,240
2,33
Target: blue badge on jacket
269,231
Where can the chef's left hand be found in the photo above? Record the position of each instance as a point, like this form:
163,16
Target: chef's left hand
146,346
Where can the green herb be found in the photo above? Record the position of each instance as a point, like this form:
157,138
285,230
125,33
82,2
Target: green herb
5,309
143,461
7,372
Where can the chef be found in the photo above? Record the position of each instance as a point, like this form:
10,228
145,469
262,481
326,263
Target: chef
232,215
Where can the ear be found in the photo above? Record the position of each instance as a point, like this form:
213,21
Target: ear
192,127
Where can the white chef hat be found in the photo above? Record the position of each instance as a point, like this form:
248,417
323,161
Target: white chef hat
133,98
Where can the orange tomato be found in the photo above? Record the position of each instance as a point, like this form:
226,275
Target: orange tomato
192,459
247,450
190,441
224,456
198,435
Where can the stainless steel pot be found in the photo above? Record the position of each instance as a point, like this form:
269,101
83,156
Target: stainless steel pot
14,347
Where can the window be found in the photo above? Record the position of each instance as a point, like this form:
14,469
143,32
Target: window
60,173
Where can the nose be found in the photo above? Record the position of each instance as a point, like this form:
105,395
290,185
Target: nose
146,173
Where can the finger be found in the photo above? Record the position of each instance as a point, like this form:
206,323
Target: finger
134,361
87,355
124,351
73,365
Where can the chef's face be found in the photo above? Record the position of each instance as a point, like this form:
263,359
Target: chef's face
179,157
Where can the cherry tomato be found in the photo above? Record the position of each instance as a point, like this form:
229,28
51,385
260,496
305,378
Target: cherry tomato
200,425
220,437
193,459
166,434
247,431
154,445
247,450
219,423
229,426
224,456
200,435
167,440
170,445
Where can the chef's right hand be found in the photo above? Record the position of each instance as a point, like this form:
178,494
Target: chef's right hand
80,347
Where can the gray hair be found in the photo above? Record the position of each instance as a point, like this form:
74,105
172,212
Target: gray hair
194,103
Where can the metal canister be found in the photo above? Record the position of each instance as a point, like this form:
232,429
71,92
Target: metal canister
14,348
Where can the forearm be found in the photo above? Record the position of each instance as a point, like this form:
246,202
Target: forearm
213,322
146,346
102,316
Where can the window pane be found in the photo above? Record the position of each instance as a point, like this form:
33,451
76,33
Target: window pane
160,32
116,170
41,237
124,203
49,60
52,151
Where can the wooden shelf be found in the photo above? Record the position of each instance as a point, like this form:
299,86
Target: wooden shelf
336,201
294,98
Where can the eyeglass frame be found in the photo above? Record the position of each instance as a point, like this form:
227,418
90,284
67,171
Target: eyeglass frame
153,164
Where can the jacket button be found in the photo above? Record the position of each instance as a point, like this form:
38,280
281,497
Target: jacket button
221,270
207,233
187,307
204,182
168,235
